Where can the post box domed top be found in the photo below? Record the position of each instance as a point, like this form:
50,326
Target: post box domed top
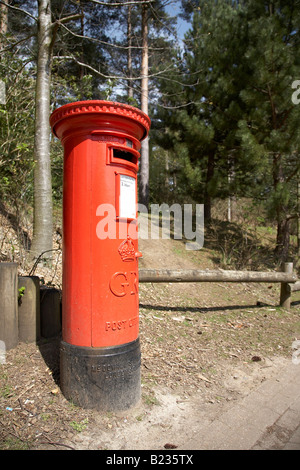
96,115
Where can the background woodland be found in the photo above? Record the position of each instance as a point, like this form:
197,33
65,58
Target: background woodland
224,101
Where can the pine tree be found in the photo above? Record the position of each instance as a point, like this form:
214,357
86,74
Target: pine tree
210,107
237,117
271,123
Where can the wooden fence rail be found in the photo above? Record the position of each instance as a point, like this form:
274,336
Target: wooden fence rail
194,275
287,278
295,287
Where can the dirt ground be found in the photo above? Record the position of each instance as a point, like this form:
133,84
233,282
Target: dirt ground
203,346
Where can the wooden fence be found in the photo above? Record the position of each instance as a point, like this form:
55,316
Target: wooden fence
287,278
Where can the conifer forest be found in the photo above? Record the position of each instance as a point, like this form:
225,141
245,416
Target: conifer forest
220,80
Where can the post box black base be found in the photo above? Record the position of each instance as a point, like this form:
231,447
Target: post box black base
105,379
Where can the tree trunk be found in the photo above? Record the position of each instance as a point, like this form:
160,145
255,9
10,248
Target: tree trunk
282,239
81,69
3,18
298,221
231,199
129,55
144,163
283,223
207,196
42,228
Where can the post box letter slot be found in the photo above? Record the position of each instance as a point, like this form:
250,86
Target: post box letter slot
123,155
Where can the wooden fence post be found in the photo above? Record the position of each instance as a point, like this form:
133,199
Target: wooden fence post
285,290
9,333
50,312
29,309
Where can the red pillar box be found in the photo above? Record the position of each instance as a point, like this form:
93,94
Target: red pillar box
100,350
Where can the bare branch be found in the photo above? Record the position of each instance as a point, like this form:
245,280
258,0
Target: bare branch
12,45
89,67
178,106
109,77
118,77
19,9
80,36
61,21
142,2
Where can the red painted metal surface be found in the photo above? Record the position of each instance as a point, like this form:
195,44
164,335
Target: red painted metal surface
101,143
